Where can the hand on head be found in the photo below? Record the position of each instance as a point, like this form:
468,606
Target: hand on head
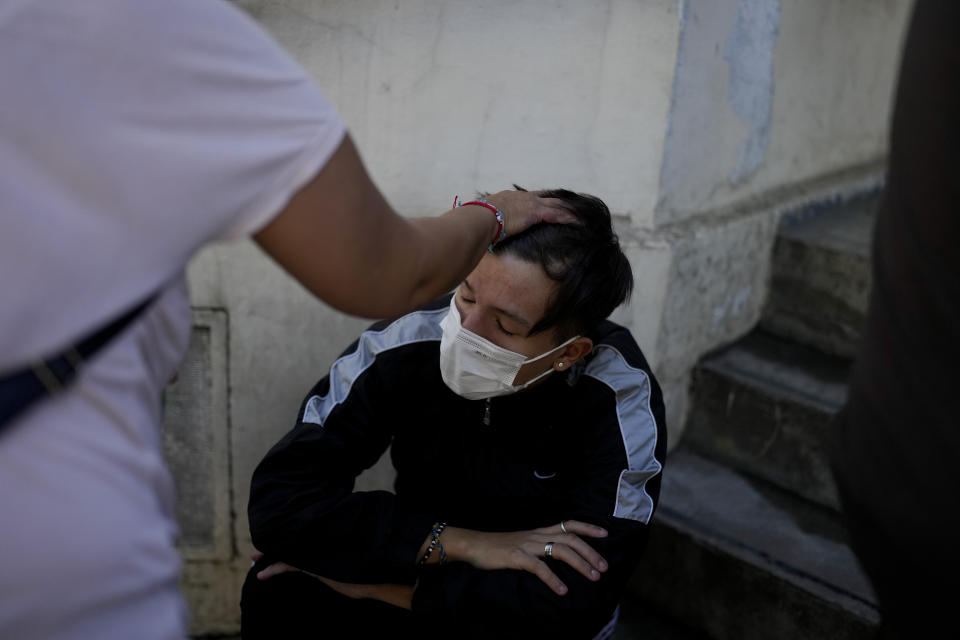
523,209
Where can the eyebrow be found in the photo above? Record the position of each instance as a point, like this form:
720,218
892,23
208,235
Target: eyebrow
516,317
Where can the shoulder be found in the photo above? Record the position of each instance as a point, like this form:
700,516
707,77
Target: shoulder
612,336
425,321
619,364
392,345
418,327
627,408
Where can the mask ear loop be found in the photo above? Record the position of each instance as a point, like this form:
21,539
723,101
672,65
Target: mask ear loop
521,387
546,353
549,370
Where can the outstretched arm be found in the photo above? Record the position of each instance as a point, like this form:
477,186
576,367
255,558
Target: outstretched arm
341,239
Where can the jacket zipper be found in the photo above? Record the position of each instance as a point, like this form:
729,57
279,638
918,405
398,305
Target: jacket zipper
486,413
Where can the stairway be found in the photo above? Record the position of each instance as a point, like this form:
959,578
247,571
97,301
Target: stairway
747,541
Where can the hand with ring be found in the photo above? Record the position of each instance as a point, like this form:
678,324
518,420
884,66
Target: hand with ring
528,550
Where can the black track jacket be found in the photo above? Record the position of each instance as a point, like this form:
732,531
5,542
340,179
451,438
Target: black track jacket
588,444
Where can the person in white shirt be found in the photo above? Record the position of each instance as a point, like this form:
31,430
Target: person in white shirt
131,134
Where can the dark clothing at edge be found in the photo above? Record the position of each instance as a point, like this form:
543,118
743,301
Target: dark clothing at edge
896,445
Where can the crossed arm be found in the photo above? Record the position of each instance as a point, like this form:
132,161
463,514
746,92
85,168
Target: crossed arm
303,505
491,580
516,550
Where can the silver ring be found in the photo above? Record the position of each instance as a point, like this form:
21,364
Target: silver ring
548,550
563,529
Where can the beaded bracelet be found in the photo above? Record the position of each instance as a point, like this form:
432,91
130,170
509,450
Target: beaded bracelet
500,234
437,529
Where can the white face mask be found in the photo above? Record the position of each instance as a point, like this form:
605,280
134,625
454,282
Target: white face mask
475,368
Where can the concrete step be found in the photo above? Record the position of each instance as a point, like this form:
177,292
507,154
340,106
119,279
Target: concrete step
821,275
737,558
763,406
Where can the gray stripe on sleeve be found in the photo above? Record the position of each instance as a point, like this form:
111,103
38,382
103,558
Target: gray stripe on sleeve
638,429
419,326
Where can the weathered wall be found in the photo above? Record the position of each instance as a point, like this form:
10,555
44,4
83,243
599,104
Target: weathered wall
447,96
769,94
697,121
774,104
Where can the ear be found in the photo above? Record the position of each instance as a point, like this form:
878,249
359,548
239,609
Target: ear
579,348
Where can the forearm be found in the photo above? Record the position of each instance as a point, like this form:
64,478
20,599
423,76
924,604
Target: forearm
423,258
399,595
302,506
480,582
363,537
341,239
344,242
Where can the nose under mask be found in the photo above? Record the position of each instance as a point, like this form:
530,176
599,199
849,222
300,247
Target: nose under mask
475,368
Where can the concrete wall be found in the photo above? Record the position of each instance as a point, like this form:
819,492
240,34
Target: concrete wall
698,122
448,96
774,104
769,94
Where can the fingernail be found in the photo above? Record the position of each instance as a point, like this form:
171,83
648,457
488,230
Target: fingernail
603,566
594,574
563,589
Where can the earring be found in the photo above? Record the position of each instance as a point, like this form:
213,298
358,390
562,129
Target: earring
560,364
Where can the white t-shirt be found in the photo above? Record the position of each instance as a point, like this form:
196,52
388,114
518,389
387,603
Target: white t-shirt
131,134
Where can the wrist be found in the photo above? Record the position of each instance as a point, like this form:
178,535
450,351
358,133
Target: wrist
497,222
434,552
456,545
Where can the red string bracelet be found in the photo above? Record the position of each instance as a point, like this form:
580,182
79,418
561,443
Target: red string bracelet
500,234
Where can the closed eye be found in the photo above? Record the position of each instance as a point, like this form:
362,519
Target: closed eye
500,326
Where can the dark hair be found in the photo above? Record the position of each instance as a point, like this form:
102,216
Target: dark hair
585,260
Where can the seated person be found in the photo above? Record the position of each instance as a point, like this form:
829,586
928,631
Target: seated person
528,438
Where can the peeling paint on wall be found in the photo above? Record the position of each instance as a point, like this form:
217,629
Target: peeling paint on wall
733,305
749,51
721,113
